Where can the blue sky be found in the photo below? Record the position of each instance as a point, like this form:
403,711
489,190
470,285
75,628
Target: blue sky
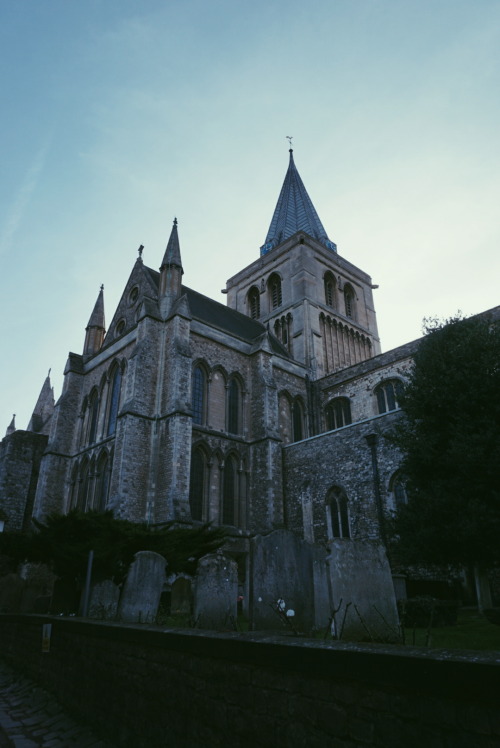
119,115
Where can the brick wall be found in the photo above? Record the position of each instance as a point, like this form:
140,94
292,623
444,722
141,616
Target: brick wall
149,687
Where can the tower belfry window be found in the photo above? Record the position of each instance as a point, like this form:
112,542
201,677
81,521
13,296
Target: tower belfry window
275,290
329,290
254,303
349,302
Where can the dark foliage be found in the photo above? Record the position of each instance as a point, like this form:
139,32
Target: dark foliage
422,612
450,440
64,542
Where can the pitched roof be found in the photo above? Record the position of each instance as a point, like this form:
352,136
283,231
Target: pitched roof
229,320
294,212
222,317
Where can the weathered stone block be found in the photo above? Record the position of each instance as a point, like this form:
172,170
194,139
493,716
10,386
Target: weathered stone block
216,592
362,591
142,588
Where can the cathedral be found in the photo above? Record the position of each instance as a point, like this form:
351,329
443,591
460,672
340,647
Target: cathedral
267,413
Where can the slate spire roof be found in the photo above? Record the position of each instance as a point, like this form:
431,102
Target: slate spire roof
12,426
172,254
97,316
44,408
294,212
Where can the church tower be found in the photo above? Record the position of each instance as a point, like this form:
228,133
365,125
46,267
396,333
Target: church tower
315,302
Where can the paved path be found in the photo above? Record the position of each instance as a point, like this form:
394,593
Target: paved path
31,717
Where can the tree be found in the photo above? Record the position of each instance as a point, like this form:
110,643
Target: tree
64,540
450,439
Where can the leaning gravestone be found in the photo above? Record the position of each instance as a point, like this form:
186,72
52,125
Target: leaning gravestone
282,582
216,592
181,597
142,588
362,592
104,598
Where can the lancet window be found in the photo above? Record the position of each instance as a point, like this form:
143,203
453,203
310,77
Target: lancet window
254,302
199,395
387,395
337,513
274,286
338,413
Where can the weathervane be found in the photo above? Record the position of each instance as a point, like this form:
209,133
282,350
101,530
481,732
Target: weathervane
289,138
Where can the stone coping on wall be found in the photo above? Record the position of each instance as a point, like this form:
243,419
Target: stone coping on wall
468,674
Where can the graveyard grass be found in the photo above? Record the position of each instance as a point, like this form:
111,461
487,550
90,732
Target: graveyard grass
472,631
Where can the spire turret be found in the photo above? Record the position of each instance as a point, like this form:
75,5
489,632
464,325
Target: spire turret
294,212
12,426
44,408
95,330
171,272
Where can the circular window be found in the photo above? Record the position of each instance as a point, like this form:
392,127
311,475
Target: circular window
133,295
120,328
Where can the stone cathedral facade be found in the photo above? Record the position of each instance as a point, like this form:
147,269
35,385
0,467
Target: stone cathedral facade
266,413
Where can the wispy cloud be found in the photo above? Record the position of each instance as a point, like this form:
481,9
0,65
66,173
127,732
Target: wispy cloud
22,197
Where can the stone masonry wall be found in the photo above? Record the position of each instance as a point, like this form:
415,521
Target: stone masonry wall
339,458
20,456
146,687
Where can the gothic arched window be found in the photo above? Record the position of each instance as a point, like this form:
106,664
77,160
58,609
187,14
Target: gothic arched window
298,420
199,395
234,407
338,413
349,300
103,476
83,490
387,395
198,484
93,414
274,285
398,490
337,513
114,399
230,492
330,289
74,485
254,303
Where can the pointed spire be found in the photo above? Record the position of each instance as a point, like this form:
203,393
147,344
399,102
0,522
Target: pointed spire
172,256
44,408
95,330
294,212
12,426
171,273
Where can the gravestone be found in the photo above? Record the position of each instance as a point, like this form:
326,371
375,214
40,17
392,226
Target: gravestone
363,591
283,589
142,588
104,598
321,590
181,597
216,592
11,592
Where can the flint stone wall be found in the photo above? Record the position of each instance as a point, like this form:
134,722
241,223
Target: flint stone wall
146,687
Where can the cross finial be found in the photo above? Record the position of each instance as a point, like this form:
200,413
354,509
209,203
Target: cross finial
289,138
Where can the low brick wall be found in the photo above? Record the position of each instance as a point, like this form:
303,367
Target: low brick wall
145,686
